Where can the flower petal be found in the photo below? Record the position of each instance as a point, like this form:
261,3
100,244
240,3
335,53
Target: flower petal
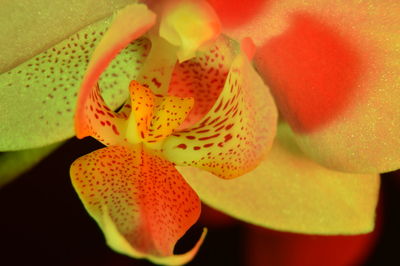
129,24
142,105
38,97
236,13
142,204
336,85
169,114
236,133
13,164
34,26
157,69
291,193
189,25
203,78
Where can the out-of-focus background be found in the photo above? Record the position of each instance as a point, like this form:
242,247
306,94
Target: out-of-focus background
42,222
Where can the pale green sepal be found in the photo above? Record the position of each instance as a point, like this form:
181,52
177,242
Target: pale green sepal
13,164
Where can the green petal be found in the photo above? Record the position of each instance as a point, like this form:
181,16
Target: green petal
34,26
289,192
13,164
38,98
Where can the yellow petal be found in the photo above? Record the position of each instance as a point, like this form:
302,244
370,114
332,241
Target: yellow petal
189,24
289,192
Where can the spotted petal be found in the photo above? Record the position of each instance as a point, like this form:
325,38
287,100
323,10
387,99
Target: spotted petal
93,117
290,192
139,200
236,133
203,78
35,26
333,67
37,98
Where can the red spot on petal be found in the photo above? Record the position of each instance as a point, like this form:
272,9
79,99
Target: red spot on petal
182,146
234,13
312,71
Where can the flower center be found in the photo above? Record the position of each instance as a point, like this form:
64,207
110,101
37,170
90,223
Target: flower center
154,117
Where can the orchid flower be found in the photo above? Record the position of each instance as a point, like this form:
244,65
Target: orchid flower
131,187
332,68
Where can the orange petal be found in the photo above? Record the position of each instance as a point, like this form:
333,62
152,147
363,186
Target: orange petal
129,24
333,69
203,78
169,113
237,132
142,105
139,200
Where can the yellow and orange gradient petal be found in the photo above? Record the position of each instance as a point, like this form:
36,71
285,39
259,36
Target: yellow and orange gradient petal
289,192
235,135
140,201
130,23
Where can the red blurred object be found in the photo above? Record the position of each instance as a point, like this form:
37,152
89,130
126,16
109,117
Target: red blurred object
266,247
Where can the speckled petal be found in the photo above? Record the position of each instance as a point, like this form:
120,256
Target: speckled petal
38,98
31,27
129,24
169,114
142,107
157,69
333,67
289,192
203,78
139,200
233,137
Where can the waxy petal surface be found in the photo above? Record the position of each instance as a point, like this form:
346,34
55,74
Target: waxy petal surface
142,105
289,192
158,67
13,164
236,133
333,67
169,113
189,25
128,25
31,27
203,78
44,89
142,204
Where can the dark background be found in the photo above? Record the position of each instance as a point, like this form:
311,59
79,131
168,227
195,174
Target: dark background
42,222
